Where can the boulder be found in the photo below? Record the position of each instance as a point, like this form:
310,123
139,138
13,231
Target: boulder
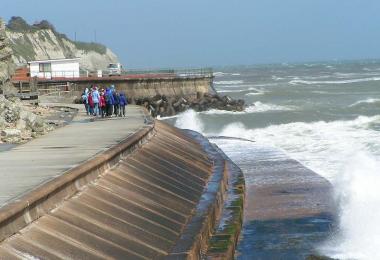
15,116
10,132
11,135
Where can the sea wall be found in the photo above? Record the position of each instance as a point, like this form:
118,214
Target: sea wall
149,87
159,193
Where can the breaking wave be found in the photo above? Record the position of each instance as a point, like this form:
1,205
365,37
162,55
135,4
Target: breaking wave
346,152
307,82
221,74
254,93
190,120
229,82
257,107
366,101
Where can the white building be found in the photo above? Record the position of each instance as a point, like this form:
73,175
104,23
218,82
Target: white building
54,68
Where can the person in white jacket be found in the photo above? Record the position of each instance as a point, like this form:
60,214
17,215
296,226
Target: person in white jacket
95,99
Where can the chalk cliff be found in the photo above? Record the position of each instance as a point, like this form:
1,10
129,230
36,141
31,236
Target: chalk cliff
41,41
6,64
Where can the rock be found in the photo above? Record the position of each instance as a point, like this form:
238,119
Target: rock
3,123
18,122
10,132
11,135
162,106
6,63
21,124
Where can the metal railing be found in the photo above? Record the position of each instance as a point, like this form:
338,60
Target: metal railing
196,72
56,74
182,73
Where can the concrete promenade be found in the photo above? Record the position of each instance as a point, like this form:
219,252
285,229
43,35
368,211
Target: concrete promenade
29,165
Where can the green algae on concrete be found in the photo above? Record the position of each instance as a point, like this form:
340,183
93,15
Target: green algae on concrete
223,242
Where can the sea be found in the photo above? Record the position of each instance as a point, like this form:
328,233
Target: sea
326,116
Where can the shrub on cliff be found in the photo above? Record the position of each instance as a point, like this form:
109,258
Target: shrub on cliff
44,25
91,46
18,24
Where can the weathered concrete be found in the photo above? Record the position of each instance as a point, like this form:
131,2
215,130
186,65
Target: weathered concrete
31,164
158,192
222,243
137,86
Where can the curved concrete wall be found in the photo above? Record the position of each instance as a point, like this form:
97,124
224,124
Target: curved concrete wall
158,193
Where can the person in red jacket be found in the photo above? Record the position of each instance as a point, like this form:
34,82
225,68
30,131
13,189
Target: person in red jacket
91,103
102,103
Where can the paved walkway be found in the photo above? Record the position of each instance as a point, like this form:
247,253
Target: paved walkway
29,165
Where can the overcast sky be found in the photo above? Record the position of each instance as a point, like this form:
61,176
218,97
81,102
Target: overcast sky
178,33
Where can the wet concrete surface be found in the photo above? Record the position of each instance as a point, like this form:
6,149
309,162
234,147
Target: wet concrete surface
289,209
288,238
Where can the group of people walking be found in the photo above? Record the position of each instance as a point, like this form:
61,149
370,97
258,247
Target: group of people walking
104,103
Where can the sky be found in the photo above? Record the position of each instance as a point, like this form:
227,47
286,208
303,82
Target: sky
198,33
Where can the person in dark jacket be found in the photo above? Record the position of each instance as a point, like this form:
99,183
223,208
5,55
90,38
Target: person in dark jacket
122,103
116,98
109,102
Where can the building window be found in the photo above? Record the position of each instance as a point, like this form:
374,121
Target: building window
45,67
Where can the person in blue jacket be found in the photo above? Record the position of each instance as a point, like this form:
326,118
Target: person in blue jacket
109,101
116,98
122,103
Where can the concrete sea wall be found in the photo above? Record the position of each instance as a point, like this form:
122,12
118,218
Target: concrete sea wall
160,193
135,88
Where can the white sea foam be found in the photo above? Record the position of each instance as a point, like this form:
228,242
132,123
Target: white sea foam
366,101
230,90
254,93
264,107
345,152
277,78
309,82
265,84
257,107
320,92
239,90
314,143
221,74
190,120
358,193
229,82
167,117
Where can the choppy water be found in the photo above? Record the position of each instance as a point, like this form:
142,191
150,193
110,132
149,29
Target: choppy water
327,116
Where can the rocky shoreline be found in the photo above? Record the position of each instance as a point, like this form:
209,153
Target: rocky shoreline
21,122
163,106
